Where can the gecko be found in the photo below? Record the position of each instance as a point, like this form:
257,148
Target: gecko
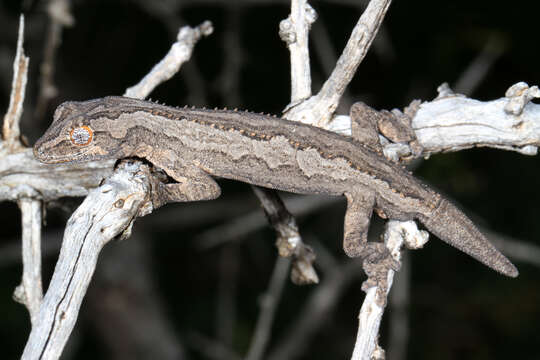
195,146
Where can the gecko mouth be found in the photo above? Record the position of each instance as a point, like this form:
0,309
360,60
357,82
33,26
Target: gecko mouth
45,156
40,154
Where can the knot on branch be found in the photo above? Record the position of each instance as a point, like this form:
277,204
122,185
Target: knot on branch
189,36
518,96
295,23
286,31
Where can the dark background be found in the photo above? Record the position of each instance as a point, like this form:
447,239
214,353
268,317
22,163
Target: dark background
458,309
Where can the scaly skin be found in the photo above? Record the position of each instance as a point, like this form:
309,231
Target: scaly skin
194,145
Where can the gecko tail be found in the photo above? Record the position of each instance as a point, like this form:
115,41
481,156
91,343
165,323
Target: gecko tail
452,226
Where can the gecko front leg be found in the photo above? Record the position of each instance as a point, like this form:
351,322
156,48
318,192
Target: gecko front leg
367,123
364,125
192,184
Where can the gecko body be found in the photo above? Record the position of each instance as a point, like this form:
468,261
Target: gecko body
194,146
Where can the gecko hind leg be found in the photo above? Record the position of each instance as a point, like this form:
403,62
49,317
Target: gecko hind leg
357,217
377,259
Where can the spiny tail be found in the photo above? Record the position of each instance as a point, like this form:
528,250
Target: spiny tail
454,227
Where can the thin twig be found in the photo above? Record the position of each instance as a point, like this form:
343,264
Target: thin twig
396,233
11,128
179,53
289,241
168,12
318,109
294,32
30,291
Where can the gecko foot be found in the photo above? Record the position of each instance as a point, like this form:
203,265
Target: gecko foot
377,261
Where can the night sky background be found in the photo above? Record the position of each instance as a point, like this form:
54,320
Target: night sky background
202,295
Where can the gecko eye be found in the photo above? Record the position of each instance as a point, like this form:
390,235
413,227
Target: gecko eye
81,135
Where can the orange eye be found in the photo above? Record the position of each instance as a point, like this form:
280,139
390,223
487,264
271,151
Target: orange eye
81,135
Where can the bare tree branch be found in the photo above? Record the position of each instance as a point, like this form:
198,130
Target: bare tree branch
370,316
453,122
294,32
318,109
11,129
21,170
517,130
30,291
289,242
179,53
107,212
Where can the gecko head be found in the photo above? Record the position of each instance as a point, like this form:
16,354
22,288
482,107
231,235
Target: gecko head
71,136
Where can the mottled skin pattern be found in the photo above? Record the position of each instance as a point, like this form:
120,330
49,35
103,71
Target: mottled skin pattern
194,145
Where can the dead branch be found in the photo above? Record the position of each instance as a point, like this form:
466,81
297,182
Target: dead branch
107,212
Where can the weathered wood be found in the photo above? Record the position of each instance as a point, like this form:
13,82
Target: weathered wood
107,212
